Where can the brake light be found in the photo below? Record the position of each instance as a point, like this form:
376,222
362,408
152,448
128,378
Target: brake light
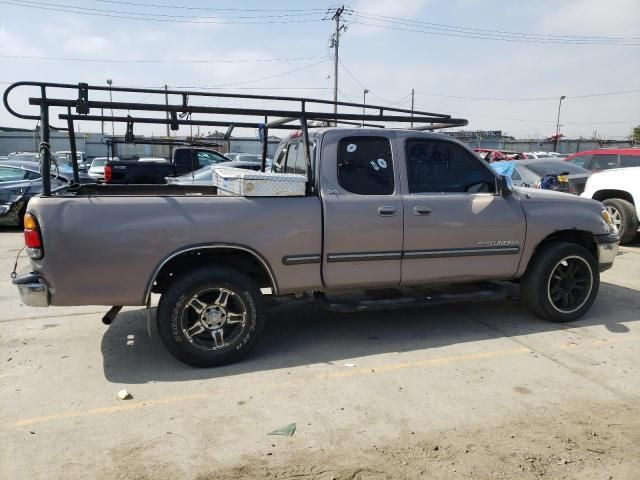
32,237
108,172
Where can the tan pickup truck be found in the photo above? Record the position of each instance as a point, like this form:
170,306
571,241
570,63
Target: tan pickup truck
385,209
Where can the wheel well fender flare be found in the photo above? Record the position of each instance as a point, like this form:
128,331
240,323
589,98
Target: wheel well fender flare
209,246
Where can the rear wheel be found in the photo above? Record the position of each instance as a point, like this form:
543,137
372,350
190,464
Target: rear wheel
623,215
562,282
210,317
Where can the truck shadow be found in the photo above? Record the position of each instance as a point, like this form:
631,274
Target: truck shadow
299,333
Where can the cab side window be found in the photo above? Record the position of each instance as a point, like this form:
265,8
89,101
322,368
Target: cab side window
604,162
581,160
630,160
435,166
365,166
209,158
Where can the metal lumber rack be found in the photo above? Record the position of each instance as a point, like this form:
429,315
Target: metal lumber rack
297,116
113,141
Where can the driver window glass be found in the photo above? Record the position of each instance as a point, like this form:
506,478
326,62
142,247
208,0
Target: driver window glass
445,167
365,165
8,174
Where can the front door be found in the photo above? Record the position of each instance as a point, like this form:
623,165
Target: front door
455,227
362,205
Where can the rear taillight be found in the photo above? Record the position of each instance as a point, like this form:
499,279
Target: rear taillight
108,172
32,237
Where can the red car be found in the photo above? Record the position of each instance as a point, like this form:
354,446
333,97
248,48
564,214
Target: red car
606,158
492,155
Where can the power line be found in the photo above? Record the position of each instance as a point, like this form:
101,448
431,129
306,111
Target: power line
526,99
153,17
183,7
391,102
112,60
483,31
480,37
277,75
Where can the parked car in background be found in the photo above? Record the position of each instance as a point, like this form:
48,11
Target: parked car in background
19,181
204,175
606,158
536,155
24,156
233,156
528,173
96,170
619,191
65,156
493,155
183,160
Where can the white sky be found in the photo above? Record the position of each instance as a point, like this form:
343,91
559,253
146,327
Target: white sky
389,62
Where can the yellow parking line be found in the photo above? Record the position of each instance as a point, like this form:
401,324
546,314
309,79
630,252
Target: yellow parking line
430,362
113,409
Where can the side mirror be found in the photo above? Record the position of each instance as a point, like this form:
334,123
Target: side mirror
504,186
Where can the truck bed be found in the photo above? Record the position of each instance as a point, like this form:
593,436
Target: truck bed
103,243
101,189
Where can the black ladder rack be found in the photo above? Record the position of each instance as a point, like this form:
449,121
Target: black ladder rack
299,112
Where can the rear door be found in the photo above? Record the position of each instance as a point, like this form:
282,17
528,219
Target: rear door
362,203
455,228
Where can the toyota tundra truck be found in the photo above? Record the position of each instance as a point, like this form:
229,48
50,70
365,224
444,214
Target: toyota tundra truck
384,210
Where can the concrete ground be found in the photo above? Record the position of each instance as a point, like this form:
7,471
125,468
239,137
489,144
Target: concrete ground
468,391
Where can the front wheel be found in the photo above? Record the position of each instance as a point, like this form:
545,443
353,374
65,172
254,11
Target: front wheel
562,282
210,317
623,215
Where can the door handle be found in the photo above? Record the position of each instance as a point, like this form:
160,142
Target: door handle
387,211
422,211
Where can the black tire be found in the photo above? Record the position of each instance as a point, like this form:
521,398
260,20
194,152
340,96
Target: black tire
176,312
624,215
539,290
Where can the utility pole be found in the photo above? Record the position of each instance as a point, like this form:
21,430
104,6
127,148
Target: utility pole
555,148
166,102
110,82
336,45
413,97
364,103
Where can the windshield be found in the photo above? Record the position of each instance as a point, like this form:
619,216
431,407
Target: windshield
99,163
555,168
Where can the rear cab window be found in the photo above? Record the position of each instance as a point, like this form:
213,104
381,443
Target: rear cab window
604,161
365,165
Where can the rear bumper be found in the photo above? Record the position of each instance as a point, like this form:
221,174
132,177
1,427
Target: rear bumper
607,246
33,292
